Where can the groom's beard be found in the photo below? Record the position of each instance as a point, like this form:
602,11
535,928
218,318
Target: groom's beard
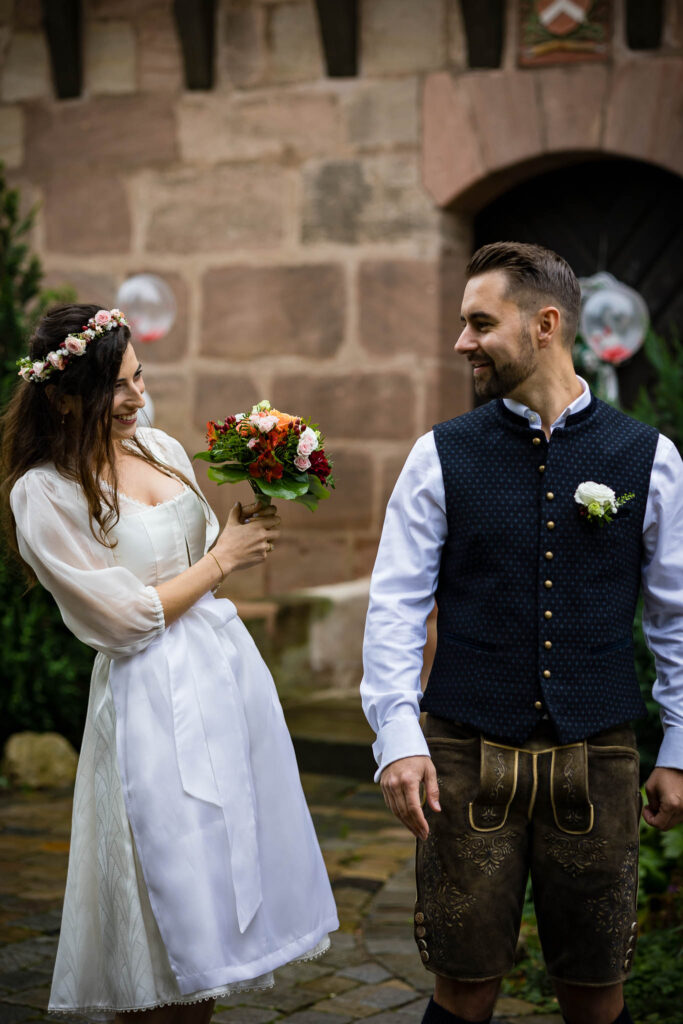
503,379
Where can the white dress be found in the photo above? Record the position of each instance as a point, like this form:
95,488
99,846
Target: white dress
194,870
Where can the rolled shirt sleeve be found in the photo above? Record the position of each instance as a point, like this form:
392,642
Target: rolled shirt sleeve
401,597
662,575
106,606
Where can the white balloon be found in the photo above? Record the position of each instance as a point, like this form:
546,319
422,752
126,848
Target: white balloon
148,305
614,318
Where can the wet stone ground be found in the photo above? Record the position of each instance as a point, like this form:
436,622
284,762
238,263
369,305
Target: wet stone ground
371,973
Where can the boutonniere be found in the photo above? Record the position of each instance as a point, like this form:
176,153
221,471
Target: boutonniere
598,502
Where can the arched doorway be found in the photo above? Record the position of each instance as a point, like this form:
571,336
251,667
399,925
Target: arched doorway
619,215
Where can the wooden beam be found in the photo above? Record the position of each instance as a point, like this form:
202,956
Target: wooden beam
195,21
338,21
483,21
63,24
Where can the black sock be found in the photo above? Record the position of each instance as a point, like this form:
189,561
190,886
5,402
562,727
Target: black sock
623,1018
435,1014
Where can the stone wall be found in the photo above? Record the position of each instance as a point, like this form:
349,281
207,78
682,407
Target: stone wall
290,215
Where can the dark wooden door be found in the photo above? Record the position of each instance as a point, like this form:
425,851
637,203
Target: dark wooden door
622,216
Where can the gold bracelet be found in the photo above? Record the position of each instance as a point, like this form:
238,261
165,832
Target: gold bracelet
219,566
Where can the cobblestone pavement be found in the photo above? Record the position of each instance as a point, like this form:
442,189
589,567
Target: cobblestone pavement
372,972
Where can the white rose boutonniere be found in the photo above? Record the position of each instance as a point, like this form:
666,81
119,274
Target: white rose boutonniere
598,502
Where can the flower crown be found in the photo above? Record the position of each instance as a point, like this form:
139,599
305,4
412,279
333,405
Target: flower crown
73,345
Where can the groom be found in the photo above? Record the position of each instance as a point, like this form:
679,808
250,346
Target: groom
527,759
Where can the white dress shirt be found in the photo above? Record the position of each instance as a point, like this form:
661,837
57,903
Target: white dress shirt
406,574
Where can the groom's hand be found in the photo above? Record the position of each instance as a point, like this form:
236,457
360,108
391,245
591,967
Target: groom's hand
400,783
664,791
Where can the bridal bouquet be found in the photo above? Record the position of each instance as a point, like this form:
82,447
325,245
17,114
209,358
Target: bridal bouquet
281,456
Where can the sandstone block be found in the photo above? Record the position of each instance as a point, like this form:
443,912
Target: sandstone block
118,132
172,396
505,112
258,126
273,310
452,155
78,218
110,57
243,55
11,137
352,405
401,35
295,48
99,289
161,67
304,559
173,347
216,210
383,113
219,395
39,760
572,100
399,306
643,117
26,73
378,198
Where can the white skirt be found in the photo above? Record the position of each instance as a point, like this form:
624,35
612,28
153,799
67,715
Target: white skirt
111,954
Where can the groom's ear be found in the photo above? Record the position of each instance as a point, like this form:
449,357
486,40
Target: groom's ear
548,326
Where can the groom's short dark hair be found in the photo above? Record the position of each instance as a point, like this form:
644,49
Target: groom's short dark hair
536,277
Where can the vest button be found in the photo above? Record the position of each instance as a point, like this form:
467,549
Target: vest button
419,917
547,645
536,440
548,614
541,469
421,931
538,705
546,673
425,955
550,495
548,584
421,944
549,555
550,524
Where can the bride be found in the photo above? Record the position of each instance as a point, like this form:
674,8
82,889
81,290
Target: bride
194,870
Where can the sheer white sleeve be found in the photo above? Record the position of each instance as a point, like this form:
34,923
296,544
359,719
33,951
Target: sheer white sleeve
103,604
172,453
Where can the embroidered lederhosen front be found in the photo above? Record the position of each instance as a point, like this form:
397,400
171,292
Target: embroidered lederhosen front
568,814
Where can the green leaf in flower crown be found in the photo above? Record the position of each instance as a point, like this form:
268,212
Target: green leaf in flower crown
316,488
205,456
309,500
227,474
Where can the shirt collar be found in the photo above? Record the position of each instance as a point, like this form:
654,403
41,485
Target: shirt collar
582,402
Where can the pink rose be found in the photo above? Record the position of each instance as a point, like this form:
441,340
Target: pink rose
308,442
38,368
56,359
252,442
75,346
102,317
263,421
302,463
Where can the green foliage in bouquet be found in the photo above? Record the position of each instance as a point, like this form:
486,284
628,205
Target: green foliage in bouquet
279,455
44,670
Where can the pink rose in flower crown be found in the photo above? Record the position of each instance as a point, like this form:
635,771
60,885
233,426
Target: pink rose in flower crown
56,359
75,346
308,442
102,317
302,462
38,367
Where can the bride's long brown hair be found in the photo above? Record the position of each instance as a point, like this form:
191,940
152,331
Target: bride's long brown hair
80,445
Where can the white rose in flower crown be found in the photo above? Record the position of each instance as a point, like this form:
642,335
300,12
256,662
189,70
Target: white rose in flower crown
590,493
308,442
56,359
38,367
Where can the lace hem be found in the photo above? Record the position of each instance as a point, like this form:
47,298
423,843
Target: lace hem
267,981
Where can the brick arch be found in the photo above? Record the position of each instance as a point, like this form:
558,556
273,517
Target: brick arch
483,131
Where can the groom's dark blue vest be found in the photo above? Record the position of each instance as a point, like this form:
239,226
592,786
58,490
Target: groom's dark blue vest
536,604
